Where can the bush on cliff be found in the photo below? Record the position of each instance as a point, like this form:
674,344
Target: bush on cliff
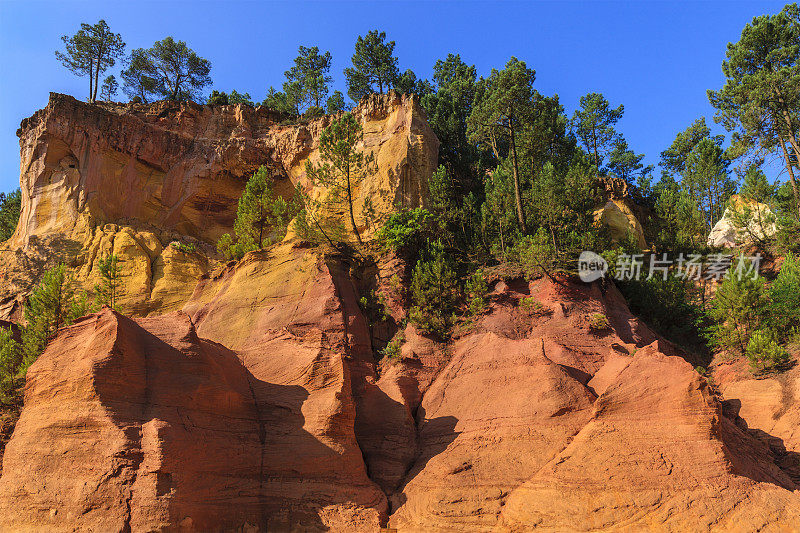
262,217
434,291
764,353
10,205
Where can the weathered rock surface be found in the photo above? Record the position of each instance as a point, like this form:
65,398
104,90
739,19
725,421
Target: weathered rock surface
154,424
259,406
756,222
133,178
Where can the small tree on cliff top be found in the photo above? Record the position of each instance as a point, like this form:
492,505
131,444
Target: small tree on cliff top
169,68
91,51
373,64
109,88
310,71
343,166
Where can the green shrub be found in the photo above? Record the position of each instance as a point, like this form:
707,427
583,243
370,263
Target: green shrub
392,349
476,289
784,294
534,306
262,217
670,306
738,309
598,322
406,230
764,353
185,247
535,254
434,292
10,362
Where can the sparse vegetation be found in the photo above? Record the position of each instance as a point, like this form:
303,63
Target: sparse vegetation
598,322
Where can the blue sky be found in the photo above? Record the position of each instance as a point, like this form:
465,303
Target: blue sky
657,58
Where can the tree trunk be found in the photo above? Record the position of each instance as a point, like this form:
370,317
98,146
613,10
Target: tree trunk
350,206
517,195
792,141
789,167
91,80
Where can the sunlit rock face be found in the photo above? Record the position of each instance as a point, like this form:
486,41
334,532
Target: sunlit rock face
131,179
743,222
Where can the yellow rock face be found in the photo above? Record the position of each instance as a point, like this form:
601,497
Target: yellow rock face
131,179
621,221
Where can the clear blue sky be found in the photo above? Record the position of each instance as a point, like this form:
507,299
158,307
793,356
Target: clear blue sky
657,58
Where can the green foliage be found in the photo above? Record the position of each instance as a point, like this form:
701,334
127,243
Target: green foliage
624,163
598,322
535,253
108,292
406,230
434,292
342,164
408,83
10,205
373,64
476,289
139,81
680,224
448,108
310,73
760,101
185,247
109,88
52,304
706,180
90,52
764,353
784,293
593,124
284,102
10,361
393,348
670,306
737,309
534,306
262,217
335,103
673,159
222,98
503,104
169,68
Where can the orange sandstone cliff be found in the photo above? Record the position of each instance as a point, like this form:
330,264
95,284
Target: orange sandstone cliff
248,396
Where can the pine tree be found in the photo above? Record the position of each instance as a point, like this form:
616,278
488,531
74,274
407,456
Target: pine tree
342,164
108,292
504,105
594,124
760,101
10,205
109,88
310,71
52,304
706,179
169,68
140,81
90,52
373,64
335,103
261,217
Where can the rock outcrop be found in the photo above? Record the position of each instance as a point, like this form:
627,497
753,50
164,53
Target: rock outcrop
743,222
619,211
276,418
134,178
249,396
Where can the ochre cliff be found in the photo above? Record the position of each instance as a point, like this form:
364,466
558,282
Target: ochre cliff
134,178
249,396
